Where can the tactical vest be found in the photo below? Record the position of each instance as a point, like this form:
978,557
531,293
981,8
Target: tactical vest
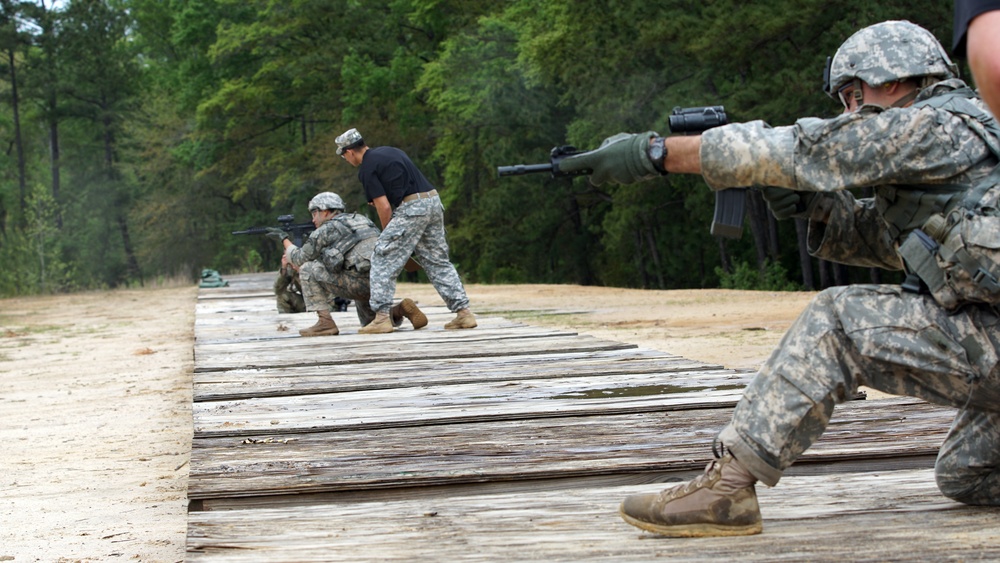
355,241
955,253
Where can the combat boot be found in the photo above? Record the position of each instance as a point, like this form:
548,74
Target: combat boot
721,501
323,327
407,308
381,325
464,319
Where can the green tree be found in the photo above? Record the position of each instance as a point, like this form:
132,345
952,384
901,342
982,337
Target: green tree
103,85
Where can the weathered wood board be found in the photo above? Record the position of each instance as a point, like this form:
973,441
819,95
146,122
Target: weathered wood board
885,516
297,380
424,344
513,442
386,408
477,452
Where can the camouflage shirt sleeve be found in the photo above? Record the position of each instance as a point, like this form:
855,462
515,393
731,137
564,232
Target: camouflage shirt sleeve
870,147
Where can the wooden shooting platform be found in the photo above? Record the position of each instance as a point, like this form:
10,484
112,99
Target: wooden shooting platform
511,442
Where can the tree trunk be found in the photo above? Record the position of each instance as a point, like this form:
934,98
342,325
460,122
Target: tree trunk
805,261
122,201
727,264
133,264
640,264
18,142
839,274
54,162
825,278
758,227
580,254
774,245
655,255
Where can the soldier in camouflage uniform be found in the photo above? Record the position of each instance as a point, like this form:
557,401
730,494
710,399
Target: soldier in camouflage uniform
287,291
413,223
335,261
902,135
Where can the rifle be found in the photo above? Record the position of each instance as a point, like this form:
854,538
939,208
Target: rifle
297,232
300,231
729,204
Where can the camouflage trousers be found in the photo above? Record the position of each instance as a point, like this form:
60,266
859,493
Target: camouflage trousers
320,287
417,227
290,302
896,342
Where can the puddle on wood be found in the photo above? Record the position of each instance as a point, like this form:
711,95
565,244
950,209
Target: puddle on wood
640,391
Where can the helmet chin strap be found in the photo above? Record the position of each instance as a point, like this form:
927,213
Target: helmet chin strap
906,99
858,94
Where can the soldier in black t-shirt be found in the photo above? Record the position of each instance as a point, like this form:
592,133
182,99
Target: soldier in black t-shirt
412,224
977,35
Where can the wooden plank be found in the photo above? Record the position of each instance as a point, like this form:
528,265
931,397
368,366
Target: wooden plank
656,478
500,330
299,380
392,347
450,404
480,452
233,324
855,517
267,331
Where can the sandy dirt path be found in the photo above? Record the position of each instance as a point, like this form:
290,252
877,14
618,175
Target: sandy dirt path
95,419
95,397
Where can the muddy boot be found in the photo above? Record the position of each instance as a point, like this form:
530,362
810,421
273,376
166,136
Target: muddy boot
464,319
721,501
381,325
407,308
323,327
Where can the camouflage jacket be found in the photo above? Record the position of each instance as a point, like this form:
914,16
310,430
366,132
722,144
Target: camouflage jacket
346,240
908,156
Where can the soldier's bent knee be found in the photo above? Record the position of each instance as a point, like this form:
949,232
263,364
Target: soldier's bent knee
979,488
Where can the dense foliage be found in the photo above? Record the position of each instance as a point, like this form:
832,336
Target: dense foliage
140,133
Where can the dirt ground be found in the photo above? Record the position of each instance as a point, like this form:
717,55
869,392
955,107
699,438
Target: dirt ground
95,397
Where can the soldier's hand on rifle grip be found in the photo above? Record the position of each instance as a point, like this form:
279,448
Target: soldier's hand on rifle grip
276,234
787,204
622,159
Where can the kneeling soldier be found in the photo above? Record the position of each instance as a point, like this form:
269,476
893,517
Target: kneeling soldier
335,261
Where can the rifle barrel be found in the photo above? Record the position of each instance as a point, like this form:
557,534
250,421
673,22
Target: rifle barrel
251,231
519,169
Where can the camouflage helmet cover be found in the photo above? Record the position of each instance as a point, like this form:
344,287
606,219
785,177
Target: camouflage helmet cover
348,140
887,52
326,200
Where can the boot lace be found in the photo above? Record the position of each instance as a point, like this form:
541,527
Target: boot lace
711,475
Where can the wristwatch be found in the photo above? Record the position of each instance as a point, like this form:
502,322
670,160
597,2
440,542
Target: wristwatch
657,152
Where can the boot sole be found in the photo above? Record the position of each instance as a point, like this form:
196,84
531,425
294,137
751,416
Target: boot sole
334,332
457,325
416,317
694,530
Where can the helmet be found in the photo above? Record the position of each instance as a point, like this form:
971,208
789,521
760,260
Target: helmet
326,200
887,52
